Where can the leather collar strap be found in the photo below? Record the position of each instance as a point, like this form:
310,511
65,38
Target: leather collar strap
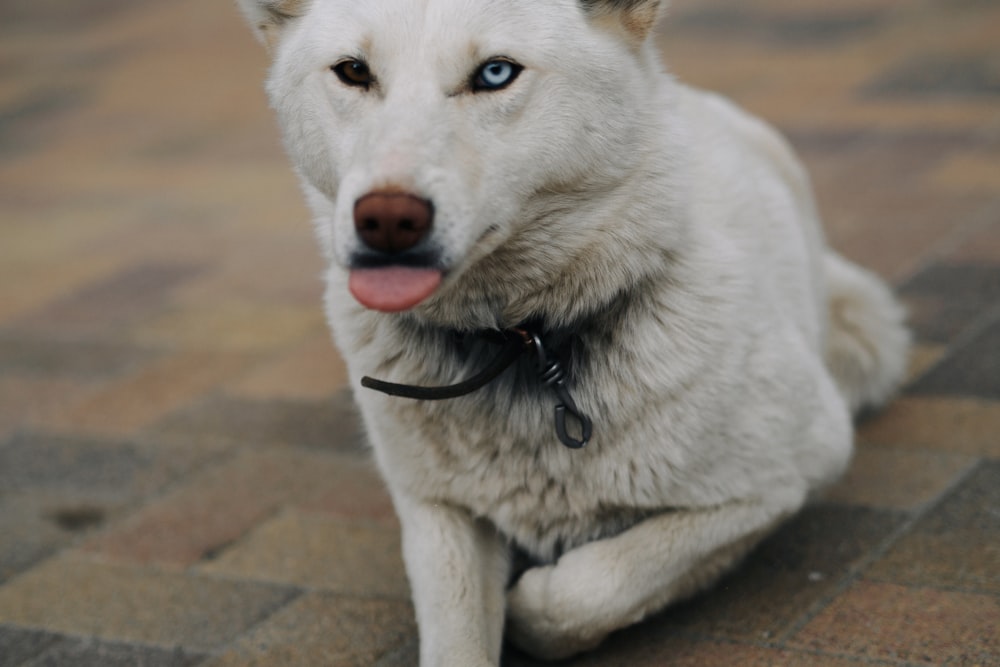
517,341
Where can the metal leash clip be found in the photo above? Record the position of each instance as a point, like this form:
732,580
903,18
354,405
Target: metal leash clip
553,374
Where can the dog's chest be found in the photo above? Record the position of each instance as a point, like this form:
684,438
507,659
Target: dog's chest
505,463
547,514
497,453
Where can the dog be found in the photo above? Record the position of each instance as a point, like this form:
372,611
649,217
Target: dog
607,339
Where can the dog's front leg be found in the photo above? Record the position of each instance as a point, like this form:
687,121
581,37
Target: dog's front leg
559,610
458,568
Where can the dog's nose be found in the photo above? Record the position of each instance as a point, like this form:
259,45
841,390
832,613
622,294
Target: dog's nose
392,222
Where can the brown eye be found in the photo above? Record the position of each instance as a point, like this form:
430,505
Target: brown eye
354,73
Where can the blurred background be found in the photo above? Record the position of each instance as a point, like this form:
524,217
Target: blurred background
182,476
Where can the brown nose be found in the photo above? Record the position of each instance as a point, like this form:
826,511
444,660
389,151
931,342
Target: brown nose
392,222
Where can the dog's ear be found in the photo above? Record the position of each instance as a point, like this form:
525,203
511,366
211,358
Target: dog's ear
268,17
636,17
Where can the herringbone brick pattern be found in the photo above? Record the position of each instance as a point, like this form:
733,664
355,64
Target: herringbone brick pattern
182,476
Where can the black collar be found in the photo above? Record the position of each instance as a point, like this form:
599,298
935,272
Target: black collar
514,343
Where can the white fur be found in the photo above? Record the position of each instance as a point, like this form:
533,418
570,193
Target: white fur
594,184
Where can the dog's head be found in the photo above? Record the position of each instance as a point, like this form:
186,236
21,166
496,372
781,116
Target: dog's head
429,134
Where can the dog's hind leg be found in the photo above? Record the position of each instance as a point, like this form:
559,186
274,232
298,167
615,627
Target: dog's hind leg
562,609
458,568
867,344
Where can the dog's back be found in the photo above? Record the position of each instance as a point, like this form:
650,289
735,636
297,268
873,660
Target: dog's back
848,310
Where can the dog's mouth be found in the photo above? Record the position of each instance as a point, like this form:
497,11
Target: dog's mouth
392,289
396,264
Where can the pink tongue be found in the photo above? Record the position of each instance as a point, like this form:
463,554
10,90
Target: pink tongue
394,288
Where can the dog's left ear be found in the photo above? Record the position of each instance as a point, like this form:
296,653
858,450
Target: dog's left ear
636,17
268,17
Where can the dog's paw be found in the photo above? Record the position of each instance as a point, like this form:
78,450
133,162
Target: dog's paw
545,620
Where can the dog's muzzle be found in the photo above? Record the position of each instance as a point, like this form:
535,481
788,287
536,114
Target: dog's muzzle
395,269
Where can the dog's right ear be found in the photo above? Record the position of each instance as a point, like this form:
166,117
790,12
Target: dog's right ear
635,17
268,17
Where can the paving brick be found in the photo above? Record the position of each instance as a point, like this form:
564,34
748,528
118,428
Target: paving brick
28,461
68,358
890,112
310,371
982,246
232,325
946,299
221,504
894,232
323,629
927,76
971,370
55,490
117,471
404,656
18,645
160,233
44,232
281,267
25,284
864,181
879,157
957,545
351,490
329,424
632,649
897,479
945,424
112,303
923,356
46,15
19,120
791,571
317,552
32,402
31,532
87,653
125,604
137,400
811,26
920,626
970,173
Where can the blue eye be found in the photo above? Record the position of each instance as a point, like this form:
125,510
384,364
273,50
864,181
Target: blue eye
495,74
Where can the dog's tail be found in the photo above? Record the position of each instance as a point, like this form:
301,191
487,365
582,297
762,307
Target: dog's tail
868,343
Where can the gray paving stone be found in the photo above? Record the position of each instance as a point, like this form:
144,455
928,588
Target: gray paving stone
28,535
323,629
18,645
803,27
39,461
331,425
83,598
971,370
86,653
945,299
935,76
788,573
108,305
957,545
53,14
56,357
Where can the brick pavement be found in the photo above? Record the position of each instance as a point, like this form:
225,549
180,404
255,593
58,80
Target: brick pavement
182,477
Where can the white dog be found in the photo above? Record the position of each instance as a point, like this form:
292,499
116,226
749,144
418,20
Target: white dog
515,192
